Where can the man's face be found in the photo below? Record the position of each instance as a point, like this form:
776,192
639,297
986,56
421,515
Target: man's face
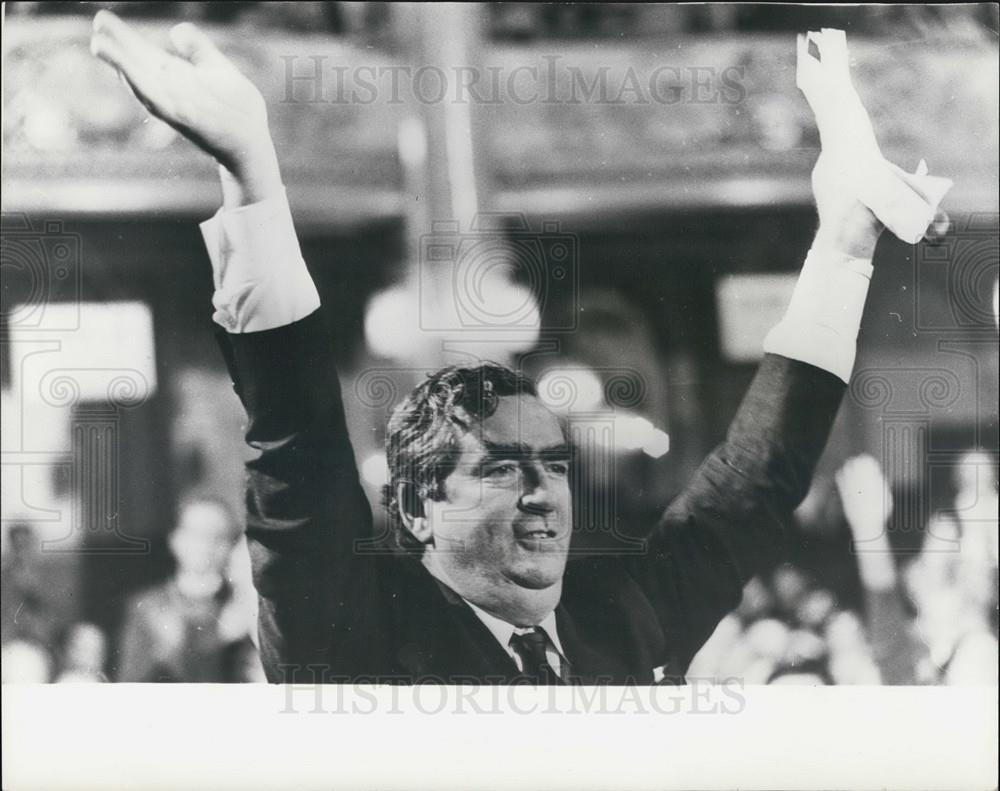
506,516
203,540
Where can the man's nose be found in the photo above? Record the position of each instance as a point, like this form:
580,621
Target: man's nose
537,492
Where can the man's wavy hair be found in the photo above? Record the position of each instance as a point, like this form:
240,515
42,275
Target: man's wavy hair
424,431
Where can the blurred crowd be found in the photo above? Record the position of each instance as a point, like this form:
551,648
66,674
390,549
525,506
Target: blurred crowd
924,618
197,625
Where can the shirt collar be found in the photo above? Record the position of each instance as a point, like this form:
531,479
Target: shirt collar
503,631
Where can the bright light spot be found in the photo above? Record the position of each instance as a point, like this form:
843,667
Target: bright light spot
575,389
628,433
412,142
391,326
631,431
25,663
504,310
374,470
636,433
510,301
48,127
104,349
657,444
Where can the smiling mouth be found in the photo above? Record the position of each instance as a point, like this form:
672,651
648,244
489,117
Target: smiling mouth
538,535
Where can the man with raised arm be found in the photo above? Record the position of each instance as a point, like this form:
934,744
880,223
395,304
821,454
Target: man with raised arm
481,590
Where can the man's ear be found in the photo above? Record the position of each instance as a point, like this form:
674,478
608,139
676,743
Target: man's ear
411,512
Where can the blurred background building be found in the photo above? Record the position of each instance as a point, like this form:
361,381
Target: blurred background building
624,191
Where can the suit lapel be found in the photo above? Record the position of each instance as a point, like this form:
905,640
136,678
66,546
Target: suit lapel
589,662
445,639
479,642
442,638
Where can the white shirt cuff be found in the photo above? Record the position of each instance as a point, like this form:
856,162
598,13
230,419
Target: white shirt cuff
261,280
824,315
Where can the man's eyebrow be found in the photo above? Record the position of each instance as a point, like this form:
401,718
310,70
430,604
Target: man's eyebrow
503,450
521,450
560,451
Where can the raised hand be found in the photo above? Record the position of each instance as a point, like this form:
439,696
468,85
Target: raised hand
867,501
851,170
866,497
199,92
846,225
825,79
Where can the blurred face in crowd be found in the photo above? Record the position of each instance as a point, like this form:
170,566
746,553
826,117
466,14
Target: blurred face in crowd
768,638
24,663
974,476
940,618
503,525
844,633
816,608
85,648
756,600
790,586
21,541
203,539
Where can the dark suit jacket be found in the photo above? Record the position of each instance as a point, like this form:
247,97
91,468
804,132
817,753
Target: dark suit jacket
330,611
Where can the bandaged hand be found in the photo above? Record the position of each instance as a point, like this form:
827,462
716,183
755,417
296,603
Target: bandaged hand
858,193
851,168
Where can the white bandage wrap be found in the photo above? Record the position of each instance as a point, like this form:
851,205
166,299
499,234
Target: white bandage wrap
906,203
821,324
261,280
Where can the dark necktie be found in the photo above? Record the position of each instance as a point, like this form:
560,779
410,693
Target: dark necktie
531,646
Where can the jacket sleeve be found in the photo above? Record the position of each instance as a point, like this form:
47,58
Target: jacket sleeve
729,520
305,506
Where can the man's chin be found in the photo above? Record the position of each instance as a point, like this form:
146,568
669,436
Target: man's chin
541,572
